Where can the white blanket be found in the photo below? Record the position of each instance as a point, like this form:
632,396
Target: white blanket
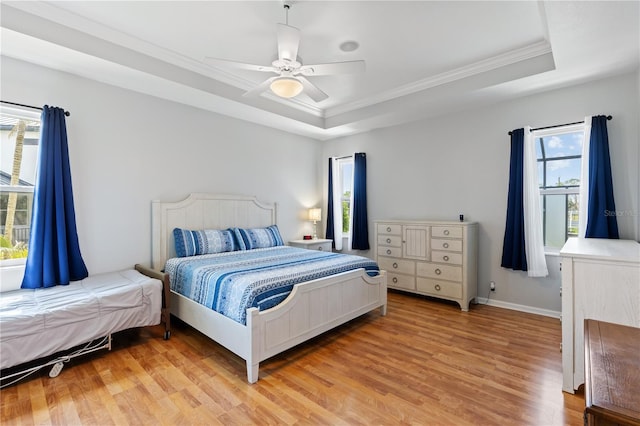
41,322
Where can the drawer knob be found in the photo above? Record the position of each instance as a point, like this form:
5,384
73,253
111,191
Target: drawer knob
446,232
438,271
445,258
445,245
395,280
388,229
395,265
388,240
388,251
437,287
320,248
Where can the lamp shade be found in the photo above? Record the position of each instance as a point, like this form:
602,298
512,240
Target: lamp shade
286,87
315,214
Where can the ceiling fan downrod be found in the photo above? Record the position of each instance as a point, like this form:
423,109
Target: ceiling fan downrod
286,6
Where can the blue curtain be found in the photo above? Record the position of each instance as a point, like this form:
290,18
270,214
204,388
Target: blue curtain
513,248
329,232
602,222
360,233
54,253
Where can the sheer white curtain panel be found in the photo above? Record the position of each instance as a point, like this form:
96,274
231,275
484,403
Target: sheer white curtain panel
337,204
534,237
583,196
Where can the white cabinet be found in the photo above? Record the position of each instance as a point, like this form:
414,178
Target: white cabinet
317,244
433,258
600,281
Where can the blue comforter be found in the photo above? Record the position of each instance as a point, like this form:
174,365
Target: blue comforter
231,282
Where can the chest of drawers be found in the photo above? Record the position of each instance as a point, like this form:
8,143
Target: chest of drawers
600,281
433,258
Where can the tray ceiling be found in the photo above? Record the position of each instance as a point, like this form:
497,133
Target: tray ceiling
423,58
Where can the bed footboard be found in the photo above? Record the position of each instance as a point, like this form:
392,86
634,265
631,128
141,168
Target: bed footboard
311,309
165,313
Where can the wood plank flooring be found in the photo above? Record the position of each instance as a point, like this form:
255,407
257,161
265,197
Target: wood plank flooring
425,363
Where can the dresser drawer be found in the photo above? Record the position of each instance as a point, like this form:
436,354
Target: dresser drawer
318,244
390,240
388,228
389,251
404,282
449,245
446,231
441,272
390,264
446,257
439,288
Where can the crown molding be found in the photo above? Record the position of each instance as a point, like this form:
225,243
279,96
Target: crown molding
514,56
54,13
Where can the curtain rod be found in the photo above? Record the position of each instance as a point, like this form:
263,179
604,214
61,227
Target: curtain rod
67,113
561,125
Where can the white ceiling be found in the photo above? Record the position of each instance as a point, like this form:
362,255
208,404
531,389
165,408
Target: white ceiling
423,58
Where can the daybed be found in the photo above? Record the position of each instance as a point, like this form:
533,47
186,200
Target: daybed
42,322
311,308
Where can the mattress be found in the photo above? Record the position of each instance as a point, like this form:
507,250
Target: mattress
230,283
41,322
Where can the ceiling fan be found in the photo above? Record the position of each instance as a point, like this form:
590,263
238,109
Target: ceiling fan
291,78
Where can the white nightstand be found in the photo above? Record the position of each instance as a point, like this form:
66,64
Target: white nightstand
319,244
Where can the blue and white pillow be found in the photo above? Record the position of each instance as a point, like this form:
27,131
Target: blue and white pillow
208,241
253,238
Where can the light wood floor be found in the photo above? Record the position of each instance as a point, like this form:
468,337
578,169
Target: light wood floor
425,363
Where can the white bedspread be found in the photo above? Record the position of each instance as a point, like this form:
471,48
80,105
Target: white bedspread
41,322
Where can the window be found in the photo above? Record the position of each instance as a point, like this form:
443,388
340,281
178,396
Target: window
346,185
19,136
559,154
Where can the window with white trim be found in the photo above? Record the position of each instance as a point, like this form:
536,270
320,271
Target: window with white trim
346,189
559,155
19,141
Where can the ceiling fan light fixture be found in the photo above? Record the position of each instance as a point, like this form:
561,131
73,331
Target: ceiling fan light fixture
286,87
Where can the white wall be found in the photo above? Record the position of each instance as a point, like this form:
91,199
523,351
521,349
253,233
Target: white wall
459,164
127,149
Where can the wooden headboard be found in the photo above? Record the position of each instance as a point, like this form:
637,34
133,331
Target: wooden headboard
203,211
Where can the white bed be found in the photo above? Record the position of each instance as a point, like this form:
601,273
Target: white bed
41,322
312,308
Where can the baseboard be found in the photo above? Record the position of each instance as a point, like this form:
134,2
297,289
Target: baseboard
516,307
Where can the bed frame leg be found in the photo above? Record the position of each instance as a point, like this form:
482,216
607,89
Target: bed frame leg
383,310
165,311
252,372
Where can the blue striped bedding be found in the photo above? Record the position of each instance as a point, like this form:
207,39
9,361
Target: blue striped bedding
231,282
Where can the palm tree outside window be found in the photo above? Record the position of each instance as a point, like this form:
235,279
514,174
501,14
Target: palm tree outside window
19,136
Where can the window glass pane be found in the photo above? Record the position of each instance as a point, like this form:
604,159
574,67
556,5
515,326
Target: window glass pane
541,174
346,176
562,173
345,216
559,163
555,220
563,145
572,215
19,138
538,148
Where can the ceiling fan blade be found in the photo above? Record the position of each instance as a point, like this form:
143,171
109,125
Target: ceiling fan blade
238,65
260,88
288,42
311,90
349,67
